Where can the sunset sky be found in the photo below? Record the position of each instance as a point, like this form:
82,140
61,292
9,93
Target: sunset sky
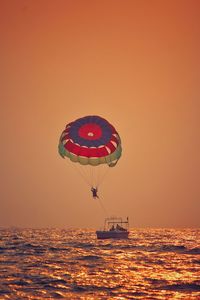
135,63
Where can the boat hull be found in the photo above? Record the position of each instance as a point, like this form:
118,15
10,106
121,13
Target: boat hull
112,234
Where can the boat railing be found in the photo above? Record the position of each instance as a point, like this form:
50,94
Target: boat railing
116,223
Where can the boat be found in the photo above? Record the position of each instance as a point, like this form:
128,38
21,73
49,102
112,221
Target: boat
114,228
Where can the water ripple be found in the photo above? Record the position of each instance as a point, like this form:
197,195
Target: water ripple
72,264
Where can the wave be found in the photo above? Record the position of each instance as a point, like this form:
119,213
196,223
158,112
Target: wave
184,287
153,248
57,249
173,248
196,261
79,245
155,281
57,295
89,257
84,288
8,262
4,291
43,280
194,251
2,249
180,248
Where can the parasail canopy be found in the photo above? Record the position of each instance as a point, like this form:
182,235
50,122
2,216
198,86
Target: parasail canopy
90,140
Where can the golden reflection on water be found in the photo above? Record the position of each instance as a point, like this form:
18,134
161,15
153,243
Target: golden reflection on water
152,264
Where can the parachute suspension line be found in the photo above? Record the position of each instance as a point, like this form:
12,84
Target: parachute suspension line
103,176
82,174
92,179
76,169
87,173
94,175
98,175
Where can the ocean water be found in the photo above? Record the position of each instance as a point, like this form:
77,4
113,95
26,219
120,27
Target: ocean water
73,264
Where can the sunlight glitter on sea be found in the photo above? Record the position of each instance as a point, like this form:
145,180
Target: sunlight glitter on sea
73,264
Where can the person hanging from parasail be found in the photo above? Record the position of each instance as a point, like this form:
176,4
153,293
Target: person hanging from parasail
94,192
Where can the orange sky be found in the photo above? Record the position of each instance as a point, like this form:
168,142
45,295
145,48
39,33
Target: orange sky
134,62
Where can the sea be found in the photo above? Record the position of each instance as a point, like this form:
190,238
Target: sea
73,264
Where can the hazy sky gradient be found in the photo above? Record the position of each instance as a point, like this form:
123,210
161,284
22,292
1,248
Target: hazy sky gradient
134,62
